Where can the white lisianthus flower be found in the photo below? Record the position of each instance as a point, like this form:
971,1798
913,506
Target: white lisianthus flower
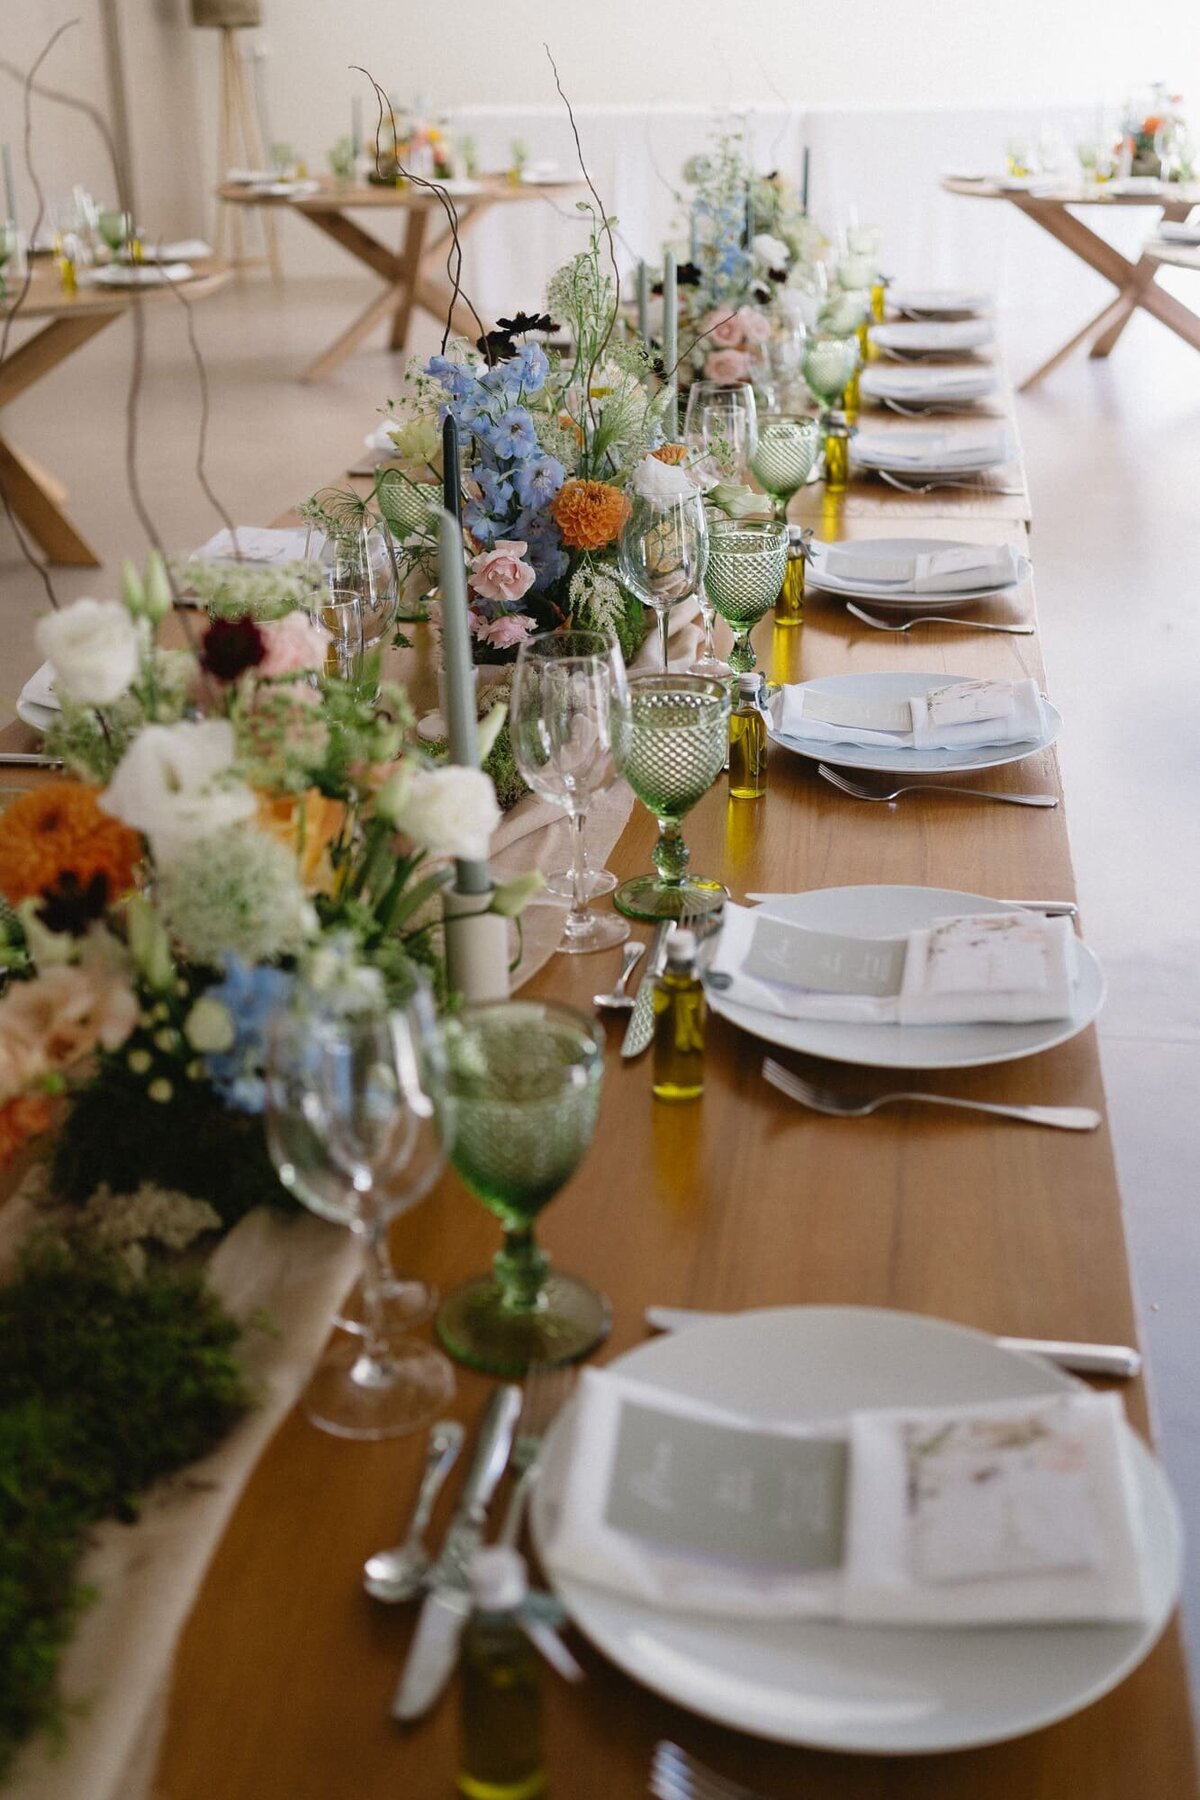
93,646
174,785
769,252
448,811
663,482
736,501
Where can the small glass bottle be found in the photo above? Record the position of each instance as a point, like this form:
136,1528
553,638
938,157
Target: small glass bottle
837,453
789,607
680,1014
878,300
501,1731
748,742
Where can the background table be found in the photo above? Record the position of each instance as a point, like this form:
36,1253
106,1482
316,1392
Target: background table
741,1200
1134,281
415,275
67,321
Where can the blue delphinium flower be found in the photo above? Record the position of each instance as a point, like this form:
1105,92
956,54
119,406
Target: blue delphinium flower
513,435
455,377
534,367
545,553
504,378
249,995
496,491
479,522
538,480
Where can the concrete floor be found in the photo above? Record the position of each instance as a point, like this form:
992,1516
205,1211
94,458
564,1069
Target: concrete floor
1113,463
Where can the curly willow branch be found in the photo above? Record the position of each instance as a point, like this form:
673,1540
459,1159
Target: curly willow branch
454,254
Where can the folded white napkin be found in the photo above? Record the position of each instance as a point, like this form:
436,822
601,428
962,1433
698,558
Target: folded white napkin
260,544
1020,1510
381,440
939,300
39,689
921,381
182,250
933,334
131,275
1001,712
1180,231
919,447
922,572
1013,968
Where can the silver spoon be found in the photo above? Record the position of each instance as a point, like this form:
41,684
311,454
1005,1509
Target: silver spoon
936,619
618,1000
399,1574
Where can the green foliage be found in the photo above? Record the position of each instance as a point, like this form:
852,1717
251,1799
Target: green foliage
115,1134
106,1384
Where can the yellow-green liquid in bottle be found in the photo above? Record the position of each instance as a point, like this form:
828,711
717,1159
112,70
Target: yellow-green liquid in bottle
837,462
748,743
789,607
500,1691
680,1017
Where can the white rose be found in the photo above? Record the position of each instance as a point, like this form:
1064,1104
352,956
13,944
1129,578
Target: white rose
172,785
449,811
93,647
770,252
655,480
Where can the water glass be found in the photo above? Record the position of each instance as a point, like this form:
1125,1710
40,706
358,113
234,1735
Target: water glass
746,566
786,454
565,688
829,364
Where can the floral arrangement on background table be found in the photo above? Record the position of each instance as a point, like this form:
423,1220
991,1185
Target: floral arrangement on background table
1155,135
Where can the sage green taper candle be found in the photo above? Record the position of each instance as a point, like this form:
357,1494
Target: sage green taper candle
643,303
470,877
671,342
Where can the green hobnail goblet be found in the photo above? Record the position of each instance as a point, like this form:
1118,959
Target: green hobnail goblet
784,458
829,365
522,1093
670,738
746,566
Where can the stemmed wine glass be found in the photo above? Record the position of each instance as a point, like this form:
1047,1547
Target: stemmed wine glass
721,430
783,461
560,722
116,228
746,566
661,555
354,1132
733,399
522,1091
829,364
670,740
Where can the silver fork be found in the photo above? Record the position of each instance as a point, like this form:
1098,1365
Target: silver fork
934,406
675,1775
930,487
841,1105
937,619
932,787
546,1390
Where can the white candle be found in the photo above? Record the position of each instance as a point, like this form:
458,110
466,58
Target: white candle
471,877
671,341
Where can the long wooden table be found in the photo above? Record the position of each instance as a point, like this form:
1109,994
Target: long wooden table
415,274
1134,281
284,1675
66,322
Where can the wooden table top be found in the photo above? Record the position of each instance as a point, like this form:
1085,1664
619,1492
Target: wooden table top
335,196
284,1674
1073,192
46,299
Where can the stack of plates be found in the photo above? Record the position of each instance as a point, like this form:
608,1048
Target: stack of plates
940,303
1181,231
929,337
130,275
894,594
928,384
923,451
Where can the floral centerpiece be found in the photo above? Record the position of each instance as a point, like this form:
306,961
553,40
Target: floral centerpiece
232,818
1154,134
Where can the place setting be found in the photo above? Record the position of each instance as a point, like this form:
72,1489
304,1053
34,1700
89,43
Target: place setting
932,336
921,458
920,577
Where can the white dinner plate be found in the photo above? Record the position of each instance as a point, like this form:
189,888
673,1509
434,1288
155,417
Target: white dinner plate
890,1690
932,337
921,384
903,685
893,912
937,303
459,185
129,275
888,593
906,469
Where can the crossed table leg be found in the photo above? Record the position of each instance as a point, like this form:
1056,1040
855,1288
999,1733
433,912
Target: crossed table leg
411,278
34,496
1134,282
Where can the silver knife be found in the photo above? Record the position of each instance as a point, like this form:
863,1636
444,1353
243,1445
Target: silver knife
640,1028
1053,909
28,759
1120,1361
434,1649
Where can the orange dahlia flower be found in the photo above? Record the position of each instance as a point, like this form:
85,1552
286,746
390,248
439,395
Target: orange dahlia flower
589,513
308,824
59,828
671,453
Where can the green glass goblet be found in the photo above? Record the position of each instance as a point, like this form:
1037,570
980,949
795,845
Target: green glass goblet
522,1091
746,566
116,228
670,737
784,458
829,364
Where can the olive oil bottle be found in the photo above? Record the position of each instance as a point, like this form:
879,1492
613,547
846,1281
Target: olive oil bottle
501,1735
680,1015
748,742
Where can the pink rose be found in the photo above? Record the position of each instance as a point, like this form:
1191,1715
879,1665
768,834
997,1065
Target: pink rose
499,574
728,366
508,629
722,329
294,643
755,328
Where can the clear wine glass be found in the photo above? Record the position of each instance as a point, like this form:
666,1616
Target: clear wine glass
523,1091
661,556
356,1133
735,399
560,725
